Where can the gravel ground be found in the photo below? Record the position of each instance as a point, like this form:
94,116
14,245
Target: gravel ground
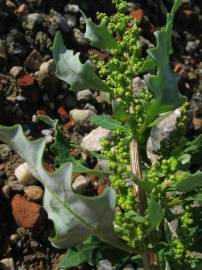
29,87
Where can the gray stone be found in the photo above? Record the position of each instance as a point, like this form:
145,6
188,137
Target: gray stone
16,43
79,37
103,164
104,265
92,141
192,45
43,41
71,20
81,117
57,22
89,106
80,184
163,131
138,85
72,8
84,95
32,21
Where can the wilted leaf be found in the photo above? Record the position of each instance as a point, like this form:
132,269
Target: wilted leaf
70,69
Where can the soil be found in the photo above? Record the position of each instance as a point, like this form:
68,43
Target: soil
23,94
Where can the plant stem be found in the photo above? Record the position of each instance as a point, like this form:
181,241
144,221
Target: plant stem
150,259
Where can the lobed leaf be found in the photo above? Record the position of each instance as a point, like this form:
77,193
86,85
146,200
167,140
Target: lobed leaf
69,69
75,217
164,84
98,35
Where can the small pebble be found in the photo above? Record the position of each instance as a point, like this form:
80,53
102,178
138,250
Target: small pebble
92,141
104,265
81,117
79,37
32,21
13,238
34,193
72,8
33,61
71,20
23,175
7,264
84,95
80,184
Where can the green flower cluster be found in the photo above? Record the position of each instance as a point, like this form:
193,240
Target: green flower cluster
125,60
117,151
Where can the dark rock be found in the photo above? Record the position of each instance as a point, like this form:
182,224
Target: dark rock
33,21
16,43
33,61
57,22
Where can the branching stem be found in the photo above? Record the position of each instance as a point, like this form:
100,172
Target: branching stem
150,260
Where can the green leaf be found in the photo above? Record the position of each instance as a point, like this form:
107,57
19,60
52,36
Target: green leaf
132,215
78,167
75,217
119,111
80,254
185,159
98,35
47,120
164,84
161,117
61,148
155,213
105,121
197,197
152,110
72,71
91,251
148,64
190,183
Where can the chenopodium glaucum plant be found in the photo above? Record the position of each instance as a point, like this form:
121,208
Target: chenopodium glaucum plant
152,209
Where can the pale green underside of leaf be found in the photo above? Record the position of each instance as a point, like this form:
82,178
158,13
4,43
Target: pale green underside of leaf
164,84
98,35
70,69
75,217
